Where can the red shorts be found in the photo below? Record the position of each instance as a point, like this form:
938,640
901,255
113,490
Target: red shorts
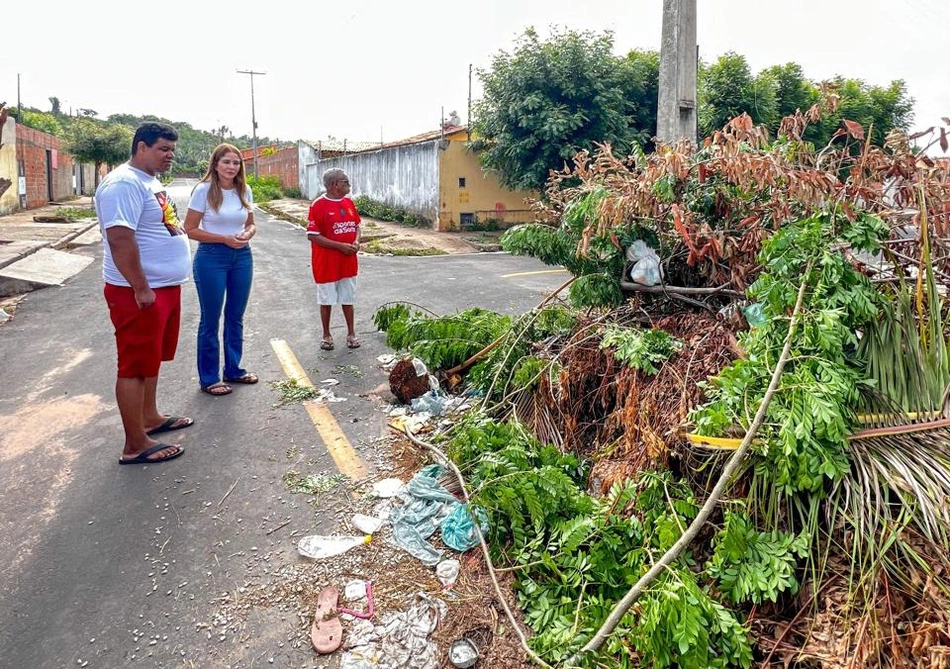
144,337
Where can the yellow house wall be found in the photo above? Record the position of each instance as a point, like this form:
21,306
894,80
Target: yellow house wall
9,201
482,194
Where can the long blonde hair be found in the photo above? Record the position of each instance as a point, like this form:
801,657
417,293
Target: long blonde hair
215,194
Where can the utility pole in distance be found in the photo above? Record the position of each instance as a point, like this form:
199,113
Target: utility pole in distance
676,104
253,117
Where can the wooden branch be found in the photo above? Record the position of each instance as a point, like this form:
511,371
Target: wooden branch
640,288
621,608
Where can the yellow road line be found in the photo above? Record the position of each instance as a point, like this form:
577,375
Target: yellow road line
339,447
540,271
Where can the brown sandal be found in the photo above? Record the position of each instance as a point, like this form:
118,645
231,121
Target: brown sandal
247,379
217,389
327,344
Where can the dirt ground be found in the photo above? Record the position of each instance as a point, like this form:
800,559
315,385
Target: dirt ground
472,608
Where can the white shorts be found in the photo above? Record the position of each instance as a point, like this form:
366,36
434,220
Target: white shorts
337,292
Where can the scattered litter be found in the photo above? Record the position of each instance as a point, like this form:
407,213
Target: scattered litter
437,403
355,591
448,572
399,641
413,423
387,487
330,382
646,269
370,603
432,403
754,315
4,316
458,527
317,546
463,654
388,361
367,524
326,395
426,503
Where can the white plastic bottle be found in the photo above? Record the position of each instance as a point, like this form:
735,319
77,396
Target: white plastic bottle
318,546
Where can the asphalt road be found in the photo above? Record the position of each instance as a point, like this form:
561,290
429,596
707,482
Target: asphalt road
109,566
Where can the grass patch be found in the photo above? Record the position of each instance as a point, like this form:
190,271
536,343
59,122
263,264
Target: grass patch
378,247
76,213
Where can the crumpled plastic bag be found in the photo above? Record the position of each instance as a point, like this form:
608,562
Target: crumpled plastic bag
646,268
426,503
754,315
458,528
400,640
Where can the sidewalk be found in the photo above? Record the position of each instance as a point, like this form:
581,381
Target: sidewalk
21,234
33,244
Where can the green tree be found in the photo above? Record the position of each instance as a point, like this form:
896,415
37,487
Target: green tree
879,109
727,89
550,99
42,121
792,90
56,107
99,143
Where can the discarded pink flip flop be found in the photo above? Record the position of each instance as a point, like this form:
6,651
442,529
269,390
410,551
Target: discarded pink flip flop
326,633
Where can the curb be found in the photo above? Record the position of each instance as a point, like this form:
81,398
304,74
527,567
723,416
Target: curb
63,242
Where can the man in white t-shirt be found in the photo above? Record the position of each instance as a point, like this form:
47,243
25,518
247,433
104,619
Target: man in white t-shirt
146,258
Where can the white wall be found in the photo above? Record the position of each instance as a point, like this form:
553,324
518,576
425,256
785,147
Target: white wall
405,176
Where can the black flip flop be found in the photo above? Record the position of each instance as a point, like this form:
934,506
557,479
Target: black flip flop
143,459
170,425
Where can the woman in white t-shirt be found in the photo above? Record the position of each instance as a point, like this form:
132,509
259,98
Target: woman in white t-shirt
221,220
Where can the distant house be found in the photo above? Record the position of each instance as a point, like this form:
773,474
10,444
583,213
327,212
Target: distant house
433,175
36,169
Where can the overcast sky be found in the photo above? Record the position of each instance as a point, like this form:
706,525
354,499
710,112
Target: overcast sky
378,69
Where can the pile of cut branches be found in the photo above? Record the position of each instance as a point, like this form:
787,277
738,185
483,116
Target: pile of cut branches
822,546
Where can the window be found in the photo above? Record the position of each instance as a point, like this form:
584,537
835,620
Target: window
461,182
467,220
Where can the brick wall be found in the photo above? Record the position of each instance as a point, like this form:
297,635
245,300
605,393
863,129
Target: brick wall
282,164
33,146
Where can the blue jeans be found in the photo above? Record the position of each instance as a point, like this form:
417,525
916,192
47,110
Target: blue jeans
220,272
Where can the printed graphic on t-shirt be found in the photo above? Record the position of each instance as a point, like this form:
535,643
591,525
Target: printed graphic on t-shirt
169,214
344,227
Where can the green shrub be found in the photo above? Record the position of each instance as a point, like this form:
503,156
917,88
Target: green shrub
265,188
367,206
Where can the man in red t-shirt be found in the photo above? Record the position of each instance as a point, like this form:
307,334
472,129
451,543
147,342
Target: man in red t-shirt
334,233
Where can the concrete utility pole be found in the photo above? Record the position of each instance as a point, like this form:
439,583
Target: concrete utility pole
676,106
253,118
